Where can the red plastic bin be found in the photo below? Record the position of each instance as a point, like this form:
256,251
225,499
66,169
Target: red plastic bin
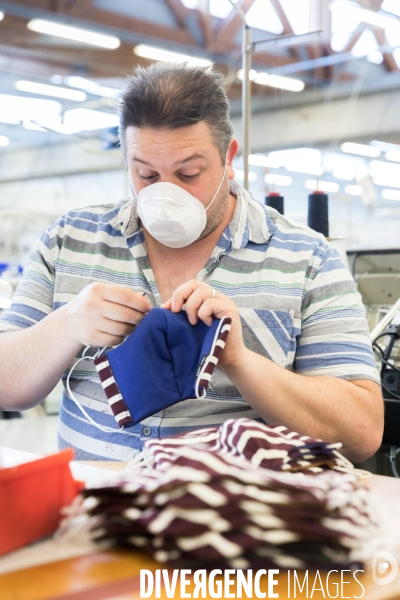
31,496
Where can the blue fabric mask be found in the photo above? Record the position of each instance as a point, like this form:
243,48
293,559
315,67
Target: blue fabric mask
164,361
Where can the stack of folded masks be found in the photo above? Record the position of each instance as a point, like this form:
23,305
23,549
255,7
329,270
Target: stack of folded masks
270,447
210,499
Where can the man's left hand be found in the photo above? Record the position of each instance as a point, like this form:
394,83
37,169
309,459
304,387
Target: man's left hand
200,304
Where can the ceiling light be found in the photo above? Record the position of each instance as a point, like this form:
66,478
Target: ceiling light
393,155
14,109
307,170
1,16
323,186
166,55
50,90
240,175
275,81
360,149
299,160
74,33
91,87
32,126
260,160
282,83
391,194
60,128
84,119
353,190
385,173
385,146
252,74
347,174
4,141
273,179
385,181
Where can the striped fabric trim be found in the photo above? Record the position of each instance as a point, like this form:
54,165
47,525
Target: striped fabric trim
115,400
206,370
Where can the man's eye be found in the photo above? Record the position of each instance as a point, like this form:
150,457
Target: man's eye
189,176
147,178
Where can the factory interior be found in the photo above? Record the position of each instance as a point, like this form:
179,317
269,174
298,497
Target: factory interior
313,88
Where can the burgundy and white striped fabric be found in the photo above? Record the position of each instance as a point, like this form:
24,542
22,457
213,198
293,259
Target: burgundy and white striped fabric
268,446
205,501
206,368
115,400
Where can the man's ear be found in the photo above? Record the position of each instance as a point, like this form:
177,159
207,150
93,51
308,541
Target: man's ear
232,151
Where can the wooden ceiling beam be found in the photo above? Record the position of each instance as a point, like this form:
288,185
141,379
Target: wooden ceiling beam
80,9
179,10
287,28
24,64
205,22
108,19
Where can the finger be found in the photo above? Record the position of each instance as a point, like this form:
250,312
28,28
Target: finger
120,313
115,328
218,308
123,295
182,293
195,301
167,304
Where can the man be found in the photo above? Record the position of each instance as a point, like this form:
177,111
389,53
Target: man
298,352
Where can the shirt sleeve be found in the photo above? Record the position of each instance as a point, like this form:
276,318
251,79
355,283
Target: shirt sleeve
334,339
33,298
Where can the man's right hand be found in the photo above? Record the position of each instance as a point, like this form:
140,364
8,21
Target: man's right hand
103,314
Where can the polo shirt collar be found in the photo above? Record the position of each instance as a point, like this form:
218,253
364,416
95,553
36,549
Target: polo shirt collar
250,221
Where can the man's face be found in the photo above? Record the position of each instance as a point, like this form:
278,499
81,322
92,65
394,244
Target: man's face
187,157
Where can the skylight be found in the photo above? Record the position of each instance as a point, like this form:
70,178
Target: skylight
263,16
392,6
220,8
346,17
298,14
368,46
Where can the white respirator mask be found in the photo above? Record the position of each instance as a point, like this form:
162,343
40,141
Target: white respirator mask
171,214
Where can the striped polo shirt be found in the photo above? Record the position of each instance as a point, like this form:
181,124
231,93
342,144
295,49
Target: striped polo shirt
297,302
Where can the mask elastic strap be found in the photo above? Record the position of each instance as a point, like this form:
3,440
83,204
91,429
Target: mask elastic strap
219,187
78,404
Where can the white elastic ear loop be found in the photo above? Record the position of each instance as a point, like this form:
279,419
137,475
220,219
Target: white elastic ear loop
72,396
219,187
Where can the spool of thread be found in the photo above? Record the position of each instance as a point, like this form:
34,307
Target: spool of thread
275,200
318,212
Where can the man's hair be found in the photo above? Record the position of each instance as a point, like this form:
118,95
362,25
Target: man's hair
171,96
